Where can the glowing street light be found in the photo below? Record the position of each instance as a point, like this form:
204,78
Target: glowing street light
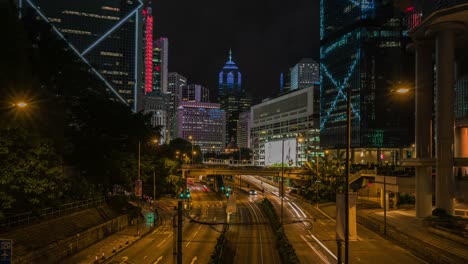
402,90
20,104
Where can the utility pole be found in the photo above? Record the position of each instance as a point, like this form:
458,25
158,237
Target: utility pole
179,231
154,187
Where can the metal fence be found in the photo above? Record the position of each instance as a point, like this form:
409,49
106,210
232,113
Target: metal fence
31,217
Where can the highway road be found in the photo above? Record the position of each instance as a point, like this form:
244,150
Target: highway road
250,238
198,239
315,241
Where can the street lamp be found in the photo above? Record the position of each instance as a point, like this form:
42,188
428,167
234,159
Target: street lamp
20,104
191,141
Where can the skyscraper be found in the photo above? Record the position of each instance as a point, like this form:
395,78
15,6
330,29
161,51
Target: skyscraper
232,97
363,49
106,35
195,93
204,122
148,48
304,74
160,62
176,83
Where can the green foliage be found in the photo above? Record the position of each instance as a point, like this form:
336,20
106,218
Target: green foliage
74,140
218,250
439,212
286,250
406,199
31,172
325,183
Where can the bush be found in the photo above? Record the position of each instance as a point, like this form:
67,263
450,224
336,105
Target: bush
286,250
218,251
439,212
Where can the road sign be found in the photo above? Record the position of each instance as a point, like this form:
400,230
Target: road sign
6,251
150,218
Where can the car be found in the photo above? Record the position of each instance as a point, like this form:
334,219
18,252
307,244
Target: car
253,192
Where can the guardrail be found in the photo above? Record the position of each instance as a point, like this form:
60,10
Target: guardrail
30,217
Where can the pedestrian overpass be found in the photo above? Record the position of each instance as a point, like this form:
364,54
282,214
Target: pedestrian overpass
296,173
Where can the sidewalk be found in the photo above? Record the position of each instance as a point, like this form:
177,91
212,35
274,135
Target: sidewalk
409,232
117,242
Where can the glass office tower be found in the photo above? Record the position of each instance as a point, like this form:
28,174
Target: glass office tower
363,48
105,34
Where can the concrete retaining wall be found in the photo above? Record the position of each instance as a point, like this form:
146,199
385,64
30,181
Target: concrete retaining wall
60,249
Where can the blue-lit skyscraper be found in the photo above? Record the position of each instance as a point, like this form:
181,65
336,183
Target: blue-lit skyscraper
363,48
106,35
231,96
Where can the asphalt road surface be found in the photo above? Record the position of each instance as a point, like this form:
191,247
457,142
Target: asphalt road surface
198,239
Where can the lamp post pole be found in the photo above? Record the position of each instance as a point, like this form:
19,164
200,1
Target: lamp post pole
348,150
385,204
282,180
139,153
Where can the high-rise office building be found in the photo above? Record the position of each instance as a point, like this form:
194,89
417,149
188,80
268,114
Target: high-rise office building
292,117
195,93
106,35
243,130
160,62
176,83
363,49
304,74
157,106
148,48
231,96
204,122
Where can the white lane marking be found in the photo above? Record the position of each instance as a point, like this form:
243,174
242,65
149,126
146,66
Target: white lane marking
193,236
322,212
323,246
124,259
194,260
315,250
164,240
259,234
159,259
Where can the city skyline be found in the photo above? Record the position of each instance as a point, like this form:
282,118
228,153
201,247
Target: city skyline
258,34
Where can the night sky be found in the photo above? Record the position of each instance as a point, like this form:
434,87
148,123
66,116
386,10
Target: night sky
266,37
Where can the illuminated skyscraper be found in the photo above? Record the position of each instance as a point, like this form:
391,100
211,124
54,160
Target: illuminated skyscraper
204,122
232,97
106,35
304,74
148,48
160,61
176,83
363,49
195,93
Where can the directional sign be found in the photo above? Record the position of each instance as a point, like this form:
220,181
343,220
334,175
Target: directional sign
6,251
150,218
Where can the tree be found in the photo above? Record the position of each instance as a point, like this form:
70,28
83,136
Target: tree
325,182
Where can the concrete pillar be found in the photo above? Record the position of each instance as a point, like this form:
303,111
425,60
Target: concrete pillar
423,108
445,79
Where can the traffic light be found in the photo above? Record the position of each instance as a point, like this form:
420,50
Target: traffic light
222,188
229,188
181,195
187,193
227,194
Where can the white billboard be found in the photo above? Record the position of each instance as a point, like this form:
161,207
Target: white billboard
273,152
